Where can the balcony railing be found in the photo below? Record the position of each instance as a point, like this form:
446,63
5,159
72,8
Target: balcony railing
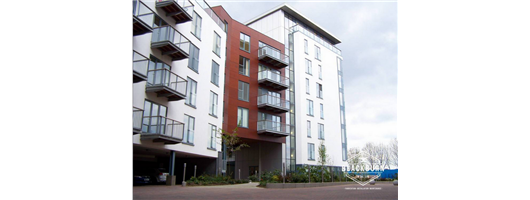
273,128
142,18
180,10
166,84
273,57
211,13
162,129
137,120
170,42
316,38
273,79
140,66
274,104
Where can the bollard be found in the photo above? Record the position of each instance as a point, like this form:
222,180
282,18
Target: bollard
283,172
239,171
195,172
309,174
184,176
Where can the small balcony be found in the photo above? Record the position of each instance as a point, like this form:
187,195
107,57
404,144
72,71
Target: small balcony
273,104
142,18
180,10
272,128
273,79
165,83
170,42
162,129
137,120
140,66
273,57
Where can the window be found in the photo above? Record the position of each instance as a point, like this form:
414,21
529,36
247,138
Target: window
215,73
320,131
321,111
305,47
189,128
320,72
213,104
311,151
307,90
212,139
309,107
242,117
308,68
320,93
308,128
154,118
317,52
244,65
192,92
194,58
244,42
216,44
196,25
242,93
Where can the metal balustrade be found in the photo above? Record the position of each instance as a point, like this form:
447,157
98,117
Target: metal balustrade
180,10
142,18
140,66
273,128
170,42
166,84
162,129
273,103
273,57
273,79
137,120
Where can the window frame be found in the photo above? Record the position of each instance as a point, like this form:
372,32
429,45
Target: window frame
307,86
308,67
194,29
320,91
321,111
213,107
212,142
191,93
321,131
217,44
245,68
310,111
311,151
308,129
186,137
245,36
215,74
238,117
317,52
306,47
239,84
194,56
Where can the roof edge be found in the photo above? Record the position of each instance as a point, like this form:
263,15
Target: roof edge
285,7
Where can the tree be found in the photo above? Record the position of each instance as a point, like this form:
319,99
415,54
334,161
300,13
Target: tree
353,154
323,157
370,150
231,140
380,155
393,151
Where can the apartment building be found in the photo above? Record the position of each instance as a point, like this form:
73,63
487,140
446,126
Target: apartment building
178,86
315,93
254,100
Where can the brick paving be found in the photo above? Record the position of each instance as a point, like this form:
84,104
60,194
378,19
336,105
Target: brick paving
248,191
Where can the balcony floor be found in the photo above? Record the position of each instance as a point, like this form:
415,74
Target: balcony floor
138,77
273,61
273,84
273,108
140,27
164,91
170,49
175,11
161,138
272,133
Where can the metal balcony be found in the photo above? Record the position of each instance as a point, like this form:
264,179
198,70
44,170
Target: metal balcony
273,57
142,18
166,84
137,120
273,104
140,66
272,128
170,42
273,79
162,129
180,10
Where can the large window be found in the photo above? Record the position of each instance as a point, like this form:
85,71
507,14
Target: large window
244,65
212,139
244,42
192,92
321,111
320,93
196,25
309,107
310,151
215,73
321,131
216,44
242,117
308,128
317,52
242,93
151,121
308,67
194,58
213,104
189,129
306,47
307,89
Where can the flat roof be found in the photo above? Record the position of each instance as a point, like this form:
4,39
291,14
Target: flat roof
288,9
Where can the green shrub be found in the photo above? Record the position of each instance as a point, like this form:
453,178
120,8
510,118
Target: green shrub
253,178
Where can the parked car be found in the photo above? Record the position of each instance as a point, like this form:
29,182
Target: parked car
141,177
159,175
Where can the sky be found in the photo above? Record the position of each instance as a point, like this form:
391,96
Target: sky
368,31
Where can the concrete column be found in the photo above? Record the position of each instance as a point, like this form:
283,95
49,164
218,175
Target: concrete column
171,179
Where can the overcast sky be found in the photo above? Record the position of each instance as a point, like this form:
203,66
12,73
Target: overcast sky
368,31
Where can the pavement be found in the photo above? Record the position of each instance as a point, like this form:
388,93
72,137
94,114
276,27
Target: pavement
250,191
